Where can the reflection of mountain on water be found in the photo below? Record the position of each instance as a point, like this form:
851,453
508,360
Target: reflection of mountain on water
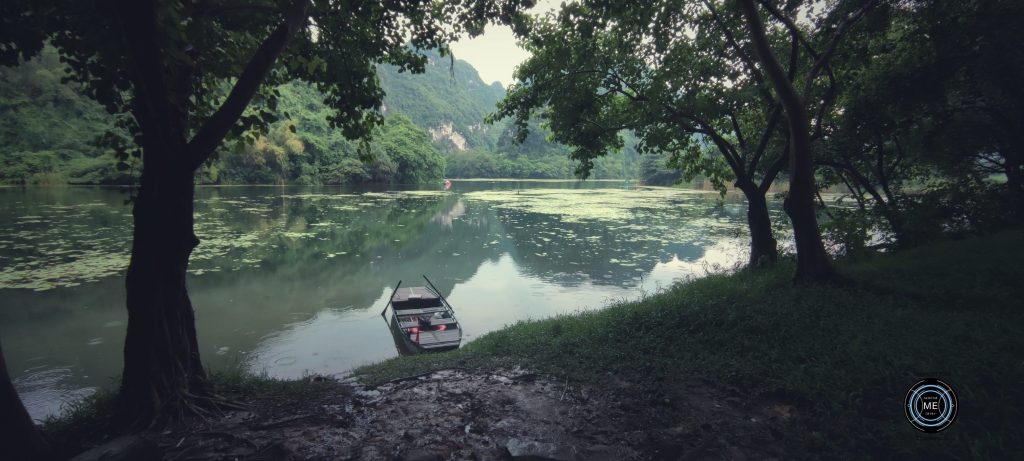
327,289
327,253
293,278
681,251
613,251
448,216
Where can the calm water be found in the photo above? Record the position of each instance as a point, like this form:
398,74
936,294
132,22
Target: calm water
290,281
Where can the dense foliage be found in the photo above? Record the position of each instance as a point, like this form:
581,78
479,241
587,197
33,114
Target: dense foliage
49,133
840,353
49,130
928,139
183,77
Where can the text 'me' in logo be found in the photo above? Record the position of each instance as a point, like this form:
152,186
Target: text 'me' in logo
931,405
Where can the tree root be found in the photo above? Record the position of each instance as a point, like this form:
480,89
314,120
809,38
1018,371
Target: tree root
229,435
217,402
279,422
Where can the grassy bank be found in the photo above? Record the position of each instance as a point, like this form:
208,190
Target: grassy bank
848,352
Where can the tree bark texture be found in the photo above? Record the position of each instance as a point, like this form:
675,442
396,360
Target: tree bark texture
763,247
162,368
163,374
813,262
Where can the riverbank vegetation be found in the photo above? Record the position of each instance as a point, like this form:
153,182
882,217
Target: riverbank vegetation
433,128
914,107
838,358
844,353
756,109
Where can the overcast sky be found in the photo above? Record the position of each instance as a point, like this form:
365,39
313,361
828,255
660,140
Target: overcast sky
495,54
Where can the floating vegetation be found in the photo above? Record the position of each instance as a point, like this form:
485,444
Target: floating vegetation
579,205
71,244
47,246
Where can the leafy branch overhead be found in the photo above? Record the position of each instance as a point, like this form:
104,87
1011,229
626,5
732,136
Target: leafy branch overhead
214,54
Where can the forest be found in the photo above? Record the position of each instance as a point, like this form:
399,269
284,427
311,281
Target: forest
889,130
54,134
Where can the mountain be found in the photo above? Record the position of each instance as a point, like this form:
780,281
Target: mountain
434,127
449,100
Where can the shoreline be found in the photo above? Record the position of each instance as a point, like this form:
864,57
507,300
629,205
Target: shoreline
744,364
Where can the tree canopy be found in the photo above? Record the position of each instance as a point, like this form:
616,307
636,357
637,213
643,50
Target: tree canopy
183,74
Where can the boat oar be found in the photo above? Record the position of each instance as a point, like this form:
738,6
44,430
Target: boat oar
390,298
436,290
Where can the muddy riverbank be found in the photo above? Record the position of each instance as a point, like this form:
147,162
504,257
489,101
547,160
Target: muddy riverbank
514,414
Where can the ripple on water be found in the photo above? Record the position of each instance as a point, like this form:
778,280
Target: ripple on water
286,361
47,390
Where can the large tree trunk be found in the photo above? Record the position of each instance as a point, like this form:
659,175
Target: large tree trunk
1013,166
763,247
812,261
163,374
20,439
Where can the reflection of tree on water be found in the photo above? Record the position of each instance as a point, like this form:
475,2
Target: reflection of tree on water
330,252
447,217
681,251
610,252
274,261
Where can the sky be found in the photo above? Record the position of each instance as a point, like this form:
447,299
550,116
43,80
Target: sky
495,54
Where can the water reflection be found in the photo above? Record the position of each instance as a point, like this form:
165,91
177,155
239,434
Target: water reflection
291,281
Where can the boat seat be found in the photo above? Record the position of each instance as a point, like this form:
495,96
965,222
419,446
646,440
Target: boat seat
415,298
434,322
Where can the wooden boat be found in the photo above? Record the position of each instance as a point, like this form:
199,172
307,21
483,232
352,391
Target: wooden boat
422,320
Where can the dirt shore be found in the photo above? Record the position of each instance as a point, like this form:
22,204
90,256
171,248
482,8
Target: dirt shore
514,414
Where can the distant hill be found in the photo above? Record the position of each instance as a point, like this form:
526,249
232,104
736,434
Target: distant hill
435,124
449,100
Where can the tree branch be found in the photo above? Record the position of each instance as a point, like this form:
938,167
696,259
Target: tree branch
766,136
791,26
830,49
727,150
736,128
232,8
747,62
775,168
219,124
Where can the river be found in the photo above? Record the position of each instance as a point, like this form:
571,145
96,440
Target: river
290,281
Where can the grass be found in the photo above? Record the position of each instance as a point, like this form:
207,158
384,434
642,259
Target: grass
238,381
849,351
88,421
845,353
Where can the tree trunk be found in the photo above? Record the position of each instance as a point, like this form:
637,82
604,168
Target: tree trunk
812,262
1013,166
20,439
163,375
763,247
162,370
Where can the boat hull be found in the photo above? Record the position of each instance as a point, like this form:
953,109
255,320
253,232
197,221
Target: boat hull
423,321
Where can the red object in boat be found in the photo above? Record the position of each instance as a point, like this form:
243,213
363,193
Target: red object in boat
442,327
417,331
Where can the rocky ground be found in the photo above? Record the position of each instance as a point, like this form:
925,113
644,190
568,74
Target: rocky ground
490,415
